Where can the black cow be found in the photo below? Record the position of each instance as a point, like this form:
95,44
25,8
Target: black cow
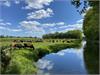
28,45
17,45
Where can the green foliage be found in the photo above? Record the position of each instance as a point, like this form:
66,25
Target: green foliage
57,47
91,24
42,52
4,58
91,19
91,55
73,34
22,62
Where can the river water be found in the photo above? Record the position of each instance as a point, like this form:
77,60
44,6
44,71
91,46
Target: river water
67,61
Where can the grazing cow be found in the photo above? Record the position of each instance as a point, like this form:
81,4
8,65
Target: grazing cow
21,41
63,41
53,41
17,45
39,41
68,41
28,45
56,40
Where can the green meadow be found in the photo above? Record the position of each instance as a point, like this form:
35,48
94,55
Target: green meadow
23,60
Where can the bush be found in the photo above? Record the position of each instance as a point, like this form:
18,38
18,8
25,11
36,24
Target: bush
22,62
42,52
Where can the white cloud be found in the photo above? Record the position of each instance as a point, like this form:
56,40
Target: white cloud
8,23
80,21
63,26
1,27
60,23
53,24
37,4
9,2
32,25
43,28
5,2
17,1
9,29
14,30
35,25
3,23
30,4
77,26
40,14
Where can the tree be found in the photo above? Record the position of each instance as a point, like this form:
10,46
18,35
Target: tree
73,34
91,19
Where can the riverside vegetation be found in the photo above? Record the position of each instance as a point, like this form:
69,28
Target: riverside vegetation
22,60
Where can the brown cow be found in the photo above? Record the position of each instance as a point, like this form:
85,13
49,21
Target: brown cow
28,45
17,45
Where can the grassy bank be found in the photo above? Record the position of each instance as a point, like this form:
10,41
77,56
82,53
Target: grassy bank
23,60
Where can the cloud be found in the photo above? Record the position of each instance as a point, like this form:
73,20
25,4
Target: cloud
37,4
60,23
77,26
5,3
3,23
30,4
71,27
37,27
9,2
80,21
1,27
5,26
14,30
40,28
9,29
53,24
17,1
40,14
32,25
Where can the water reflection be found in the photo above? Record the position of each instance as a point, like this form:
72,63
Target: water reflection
68,61
91,56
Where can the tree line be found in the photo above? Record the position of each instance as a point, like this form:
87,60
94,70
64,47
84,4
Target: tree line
72,34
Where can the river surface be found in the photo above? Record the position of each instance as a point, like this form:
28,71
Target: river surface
67,61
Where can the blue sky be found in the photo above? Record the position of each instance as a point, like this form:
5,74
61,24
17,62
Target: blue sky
37,17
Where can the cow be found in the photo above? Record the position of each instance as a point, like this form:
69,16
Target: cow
17,45
63,41
28,45
53,41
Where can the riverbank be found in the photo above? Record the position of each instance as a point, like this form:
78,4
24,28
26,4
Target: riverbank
23,60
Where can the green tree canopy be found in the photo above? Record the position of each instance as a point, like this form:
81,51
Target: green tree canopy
91,19
73,34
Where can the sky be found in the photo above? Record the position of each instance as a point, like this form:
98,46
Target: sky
38,17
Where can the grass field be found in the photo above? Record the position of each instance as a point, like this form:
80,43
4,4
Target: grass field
22,61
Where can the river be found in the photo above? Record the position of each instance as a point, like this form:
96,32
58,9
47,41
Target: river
67,61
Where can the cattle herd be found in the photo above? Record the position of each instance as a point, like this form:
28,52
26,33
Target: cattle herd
28,43
22,44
